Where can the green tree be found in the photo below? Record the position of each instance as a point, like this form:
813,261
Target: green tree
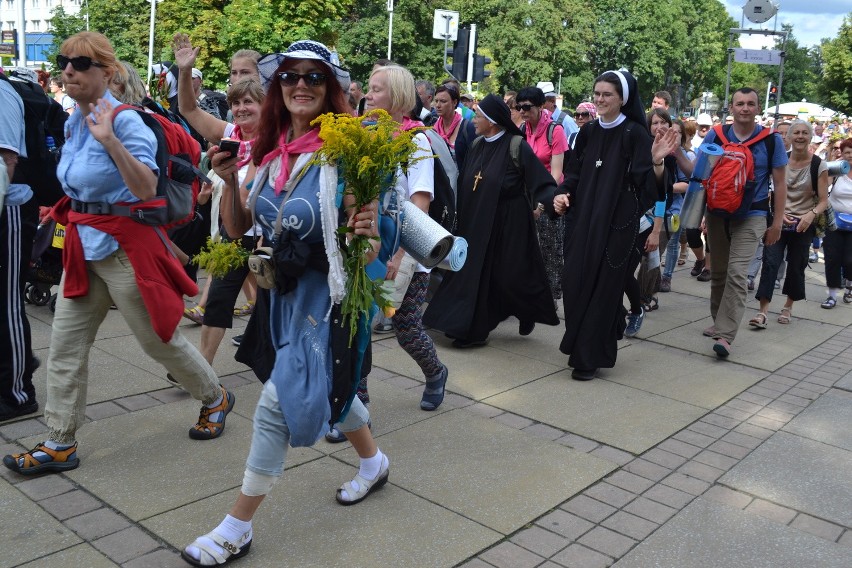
203,21
64,25
126,24
836,85
799,75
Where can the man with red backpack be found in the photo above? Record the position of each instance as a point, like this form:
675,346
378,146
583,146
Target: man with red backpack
738,208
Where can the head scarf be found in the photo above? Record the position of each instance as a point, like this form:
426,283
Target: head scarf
631,104
590,108
497,112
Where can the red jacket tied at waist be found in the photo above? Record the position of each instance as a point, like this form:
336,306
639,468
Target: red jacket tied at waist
161,279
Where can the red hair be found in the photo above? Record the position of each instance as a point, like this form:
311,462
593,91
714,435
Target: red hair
275,118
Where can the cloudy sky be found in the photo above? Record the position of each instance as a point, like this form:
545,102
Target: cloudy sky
812,20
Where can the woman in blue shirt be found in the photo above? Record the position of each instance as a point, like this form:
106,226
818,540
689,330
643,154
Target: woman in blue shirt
111,259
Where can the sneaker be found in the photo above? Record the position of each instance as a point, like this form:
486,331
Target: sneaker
698,267
666,285
847,296
42,459
778,284
813,257
211,421
237,340
750,283
710,332
9,411
634,323
722,348
334,436
244,310
704,276
383,325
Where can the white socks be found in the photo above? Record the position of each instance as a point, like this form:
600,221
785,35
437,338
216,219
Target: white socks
231,529
371,467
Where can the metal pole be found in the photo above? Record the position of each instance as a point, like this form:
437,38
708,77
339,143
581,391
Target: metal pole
728,77
559,86
390,26
447,19
151,40
22,37
768,88
780,81
471,47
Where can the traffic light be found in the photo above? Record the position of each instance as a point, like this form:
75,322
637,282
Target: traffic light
459,55
773,95
479,71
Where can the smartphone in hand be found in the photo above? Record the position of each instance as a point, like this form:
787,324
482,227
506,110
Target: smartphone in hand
229,145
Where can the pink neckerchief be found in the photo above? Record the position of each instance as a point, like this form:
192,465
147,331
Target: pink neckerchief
307,142
409,123
447,134
541,128
244,154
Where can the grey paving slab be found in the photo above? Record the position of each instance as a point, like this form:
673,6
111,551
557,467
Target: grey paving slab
488,465
28,531
845,383
80,555
621,416
294,527
671,372
127,349
476,373
711,535
110,376
827,420
144,463
800,474
767,349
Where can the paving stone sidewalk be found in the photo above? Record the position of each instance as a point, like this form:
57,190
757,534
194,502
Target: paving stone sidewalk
673,458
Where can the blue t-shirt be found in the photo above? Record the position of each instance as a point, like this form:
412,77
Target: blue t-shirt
762,167
87,172
12,138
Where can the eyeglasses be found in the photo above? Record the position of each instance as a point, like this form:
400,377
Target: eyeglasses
81,63
585,114
524,107
312,79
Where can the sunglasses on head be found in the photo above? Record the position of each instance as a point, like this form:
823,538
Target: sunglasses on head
312,79
584,114
80,63
524,107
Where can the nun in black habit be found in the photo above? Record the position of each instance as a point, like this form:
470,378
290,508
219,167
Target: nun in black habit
504,272
610,181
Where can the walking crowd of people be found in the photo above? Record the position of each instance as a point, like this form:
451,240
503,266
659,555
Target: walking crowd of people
580,207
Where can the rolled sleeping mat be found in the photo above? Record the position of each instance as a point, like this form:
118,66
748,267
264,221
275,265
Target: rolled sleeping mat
458,254
421,237
838,168
708,156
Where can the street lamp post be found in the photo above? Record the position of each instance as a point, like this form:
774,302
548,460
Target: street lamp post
390,26
559,84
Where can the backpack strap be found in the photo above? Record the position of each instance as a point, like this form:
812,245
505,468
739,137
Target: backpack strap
439,146
550,128
515,151
815,162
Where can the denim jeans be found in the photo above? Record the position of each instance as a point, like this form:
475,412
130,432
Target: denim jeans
672,252
271,436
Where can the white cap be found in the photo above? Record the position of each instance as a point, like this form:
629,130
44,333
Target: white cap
196,74
547,88
704,119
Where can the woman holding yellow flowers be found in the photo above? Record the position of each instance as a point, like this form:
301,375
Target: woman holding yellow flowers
312,382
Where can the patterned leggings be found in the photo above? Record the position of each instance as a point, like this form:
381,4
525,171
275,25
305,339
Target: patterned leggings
409,326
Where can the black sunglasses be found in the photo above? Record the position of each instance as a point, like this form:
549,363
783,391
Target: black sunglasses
524,107
80,63
585,114
312,79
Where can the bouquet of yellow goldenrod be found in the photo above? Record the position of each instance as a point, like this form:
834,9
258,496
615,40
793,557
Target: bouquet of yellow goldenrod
219,257
367,151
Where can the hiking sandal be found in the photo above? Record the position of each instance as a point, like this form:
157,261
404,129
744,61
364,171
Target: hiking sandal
42,459
786,315
758,321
